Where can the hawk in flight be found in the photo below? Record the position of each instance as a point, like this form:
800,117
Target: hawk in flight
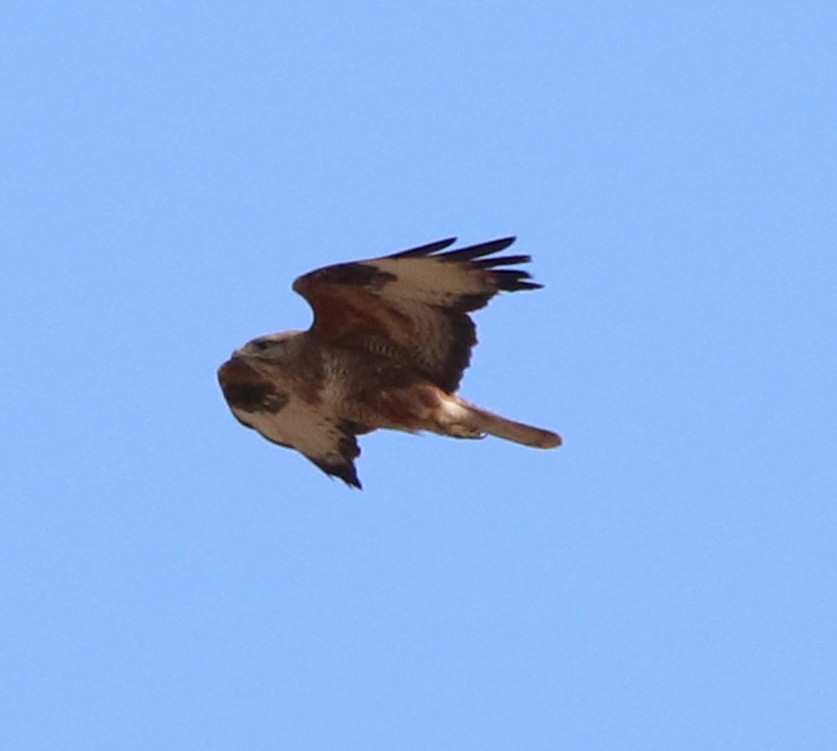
390,340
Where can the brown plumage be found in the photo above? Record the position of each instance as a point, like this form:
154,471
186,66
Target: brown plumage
390,341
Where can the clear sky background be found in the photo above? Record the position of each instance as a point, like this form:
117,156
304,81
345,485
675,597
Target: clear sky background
666,580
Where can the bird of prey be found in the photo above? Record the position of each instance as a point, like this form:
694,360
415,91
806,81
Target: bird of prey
390,340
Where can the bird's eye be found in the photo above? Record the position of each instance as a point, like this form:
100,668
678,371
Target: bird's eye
261,346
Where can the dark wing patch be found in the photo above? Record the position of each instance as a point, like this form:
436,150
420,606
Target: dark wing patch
283,417
247,390
349,450
413,306
354,274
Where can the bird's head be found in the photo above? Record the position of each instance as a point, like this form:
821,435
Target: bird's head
275,347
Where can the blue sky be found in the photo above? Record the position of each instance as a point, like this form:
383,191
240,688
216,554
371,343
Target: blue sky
667,579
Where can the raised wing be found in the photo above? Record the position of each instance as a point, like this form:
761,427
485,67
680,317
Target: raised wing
413,306
284,418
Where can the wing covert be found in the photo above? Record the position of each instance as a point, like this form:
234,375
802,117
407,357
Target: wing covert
413,306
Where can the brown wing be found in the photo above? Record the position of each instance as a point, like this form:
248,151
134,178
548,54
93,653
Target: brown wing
413,306
284,418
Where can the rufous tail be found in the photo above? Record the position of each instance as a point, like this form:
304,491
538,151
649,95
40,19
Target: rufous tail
478,419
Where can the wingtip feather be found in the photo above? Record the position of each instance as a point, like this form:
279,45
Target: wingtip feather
425,250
